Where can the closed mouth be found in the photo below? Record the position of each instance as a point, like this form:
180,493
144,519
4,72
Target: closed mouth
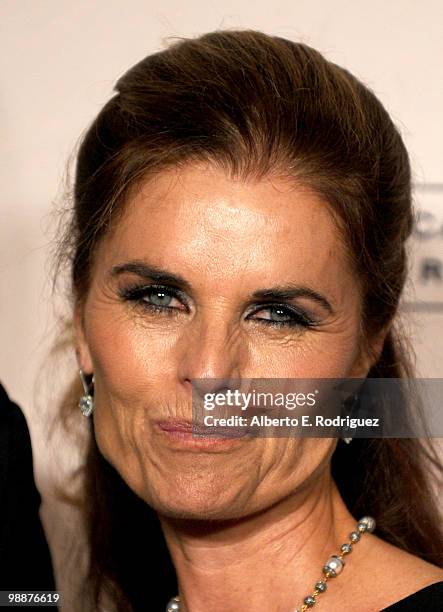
199,429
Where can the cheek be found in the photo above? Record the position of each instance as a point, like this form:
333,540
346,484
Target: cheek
127,355
290,462
127,369
312,354
332,356
131,356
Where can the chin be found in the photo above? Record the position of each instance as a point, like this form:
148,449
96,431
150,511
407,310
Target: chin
192,504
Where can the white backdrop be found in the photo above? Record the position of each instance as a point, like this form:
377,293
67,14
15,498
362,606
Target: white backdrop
59,62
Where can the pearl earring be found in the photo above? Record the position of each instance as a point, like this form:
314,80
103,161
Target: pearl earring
86,403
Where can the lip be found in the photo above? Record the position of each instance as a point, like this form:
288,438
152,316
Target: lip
197,436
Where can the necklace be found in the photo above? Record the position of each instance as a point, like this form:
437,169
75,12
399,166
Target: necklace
331,569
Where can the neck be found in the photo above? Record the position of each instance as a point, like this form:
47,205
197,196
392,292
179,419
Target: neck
269,560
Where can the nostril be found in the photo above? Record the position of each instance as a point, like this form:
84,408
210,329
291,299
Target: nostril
212,385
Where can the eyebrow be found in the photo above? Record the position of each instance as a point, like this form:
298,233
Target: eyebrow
279,292
152,273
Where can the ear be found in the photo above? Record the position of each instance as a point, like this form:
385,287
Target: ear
81,345
369,354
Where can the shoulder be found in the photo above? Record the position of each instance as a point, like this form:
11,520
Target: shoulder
13,426
429,598
15,441
10,414
403,576
16,464
22,539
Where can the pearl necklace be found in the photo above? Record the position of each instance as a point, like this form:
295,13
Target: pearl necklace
331,569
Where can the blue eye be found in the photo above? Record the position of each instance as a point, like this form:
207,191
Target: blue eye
170,301
157,298
284,316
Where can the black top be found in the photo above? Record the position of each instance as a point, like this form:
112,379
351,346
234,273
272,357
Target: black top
430,599
25,563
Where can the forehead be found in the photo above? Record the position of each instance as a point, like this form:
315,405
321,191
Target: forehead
200,220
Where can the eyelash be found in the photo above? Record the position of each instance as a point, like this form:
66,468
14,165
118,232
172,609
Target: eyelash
137,294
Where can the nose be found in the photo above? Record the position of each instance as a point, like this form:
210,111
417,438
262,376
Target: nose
213,357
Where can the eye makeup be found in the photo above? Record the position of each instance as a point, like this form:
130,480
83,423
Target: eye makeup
170,301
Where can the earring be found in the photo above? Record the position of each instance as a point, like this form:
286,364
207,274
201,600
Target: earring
86,403
349,407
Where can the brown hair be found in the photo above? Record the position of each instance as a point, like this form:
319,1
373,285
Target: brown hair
256,104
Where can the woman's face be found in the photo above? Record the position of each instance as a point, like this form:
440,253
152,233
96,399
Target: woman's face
214,243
